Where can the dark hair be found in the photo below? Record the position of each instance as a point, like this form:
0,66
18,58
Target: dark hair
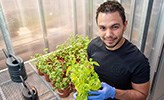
110,7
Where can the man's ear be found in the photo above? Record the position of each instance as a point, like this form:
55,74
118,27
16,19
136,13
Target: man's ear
125,25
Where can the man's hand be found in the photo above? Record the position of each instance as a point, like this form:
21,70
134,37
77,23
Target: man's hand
106,92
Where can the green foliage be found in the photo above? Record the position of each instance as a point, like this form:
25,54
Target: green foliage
69,64
84,78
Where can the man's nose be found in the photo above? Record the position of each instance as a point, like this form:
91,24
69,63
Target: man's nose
109,32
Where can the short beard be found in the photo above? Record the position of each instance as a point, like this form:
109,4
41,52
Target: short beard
113,45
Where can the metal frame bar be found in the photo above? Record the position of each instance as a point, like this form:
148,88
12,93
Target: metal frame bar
89,18
131,19
156,79
5,33
158,41
86,17
43,24
75,17
146,25
157,52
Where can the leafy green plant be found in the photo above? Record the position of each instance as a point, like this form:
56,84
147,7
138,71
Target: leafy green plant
41,60
69,64
63,83
84,78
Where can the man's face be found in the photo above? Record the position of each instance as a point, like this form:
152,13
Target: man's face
111,29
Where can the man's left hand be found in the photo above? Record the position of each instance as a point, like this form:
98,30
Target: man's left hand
106,92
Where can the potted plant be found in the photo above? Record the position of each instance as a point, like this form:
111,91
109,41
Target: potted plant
68,65
39,63
84,78
56,74
63,87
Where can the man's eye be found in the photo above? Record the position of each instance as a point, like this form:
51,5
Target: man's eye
102,28
115,27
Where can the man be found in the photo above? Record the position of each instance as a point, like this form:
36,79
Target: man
124,70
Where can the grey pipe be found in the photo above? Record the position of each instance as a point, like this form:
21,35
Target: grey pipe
5,33
43,23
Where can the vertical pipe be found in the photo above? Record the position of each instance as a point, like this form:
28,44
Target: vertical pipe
86,18
75,17
131,19
146,26
5,33
43,24
89,18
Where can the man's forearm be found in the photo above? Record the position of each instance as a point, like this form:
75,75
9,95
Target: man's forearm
130,95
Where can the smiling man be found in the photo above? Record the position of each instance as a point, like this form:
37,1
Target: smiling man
124,71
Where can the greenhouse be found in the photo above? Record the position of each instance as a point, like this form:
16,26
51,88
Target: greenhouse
47,46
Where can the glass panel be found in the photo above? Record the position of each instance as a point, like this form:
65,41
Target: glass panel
2,56
22,19
153,27
81,16
127,6
59,21
157,63
154,50
96,4
138,18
